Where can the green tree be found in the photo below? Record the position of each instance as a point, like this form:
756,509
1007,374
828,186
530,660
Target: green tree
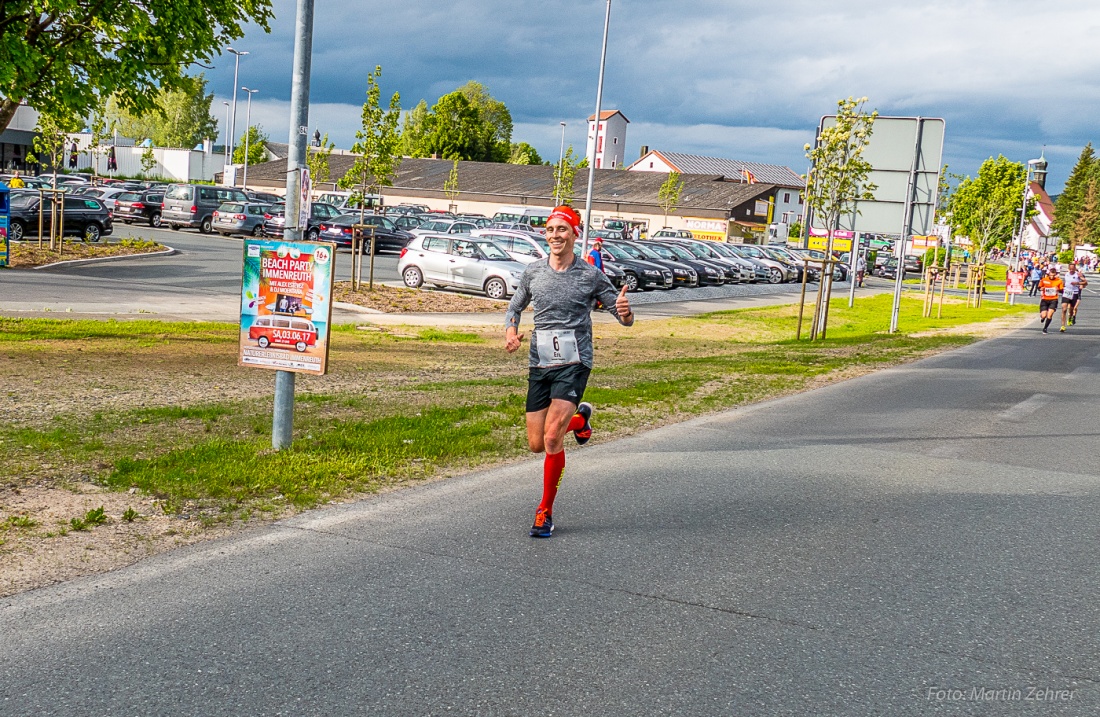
455,130
1087,227
496,122
180,117
377,142
317,161
668,196
254,137
524,153
64,57
51,137
985,208
1072,199
565,177
450,186
414,130
148,160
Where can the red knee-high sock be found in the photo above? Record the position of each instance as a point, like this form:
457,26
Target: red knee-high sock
553,466
576,423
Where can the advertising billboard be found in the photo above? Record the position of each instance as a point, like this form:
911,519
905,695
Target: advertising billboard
286,305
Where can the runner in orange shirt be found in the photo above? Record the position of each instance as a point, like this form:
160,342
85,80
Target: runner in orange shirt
1050,288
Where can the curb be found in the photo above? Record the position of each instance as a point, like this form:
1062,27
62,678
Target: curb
355,307
78,262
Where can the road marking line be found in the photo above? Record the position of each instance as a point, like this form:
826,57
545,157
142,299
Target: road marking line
1076,373
1025,408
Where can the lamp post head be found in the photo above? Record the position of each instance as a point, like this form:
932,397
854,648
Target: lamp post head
238,53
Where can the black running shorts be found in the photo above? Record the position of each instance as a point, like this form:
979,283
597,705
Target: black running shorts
1048,305
565,382
1071,303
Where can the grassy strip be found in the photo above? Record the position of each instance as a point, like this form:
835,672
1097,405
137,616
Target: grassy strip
437,401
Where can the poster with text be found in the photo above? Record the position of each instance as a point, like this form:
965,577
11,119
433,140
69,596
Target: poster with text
286,305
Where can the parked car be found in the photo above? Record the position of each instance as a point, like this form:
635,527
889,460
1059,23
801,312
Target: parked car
262,197
406,210
406,222
444,226
793,262
515,226
682,275
386,234
840,271
638,274
707,251
139,206
521,246
107,195
666,233
275,220
778,270
240,218
343,201
193,205
758,270
461,261
709,272
87,218
476,219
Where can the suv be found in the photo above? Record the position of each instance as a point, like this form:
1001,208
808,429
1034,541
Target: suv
87,218
141,206
193,205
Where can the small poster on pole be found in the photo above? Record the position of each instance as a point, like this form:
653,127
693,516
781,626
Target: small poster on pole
304,200
286,305
1015,282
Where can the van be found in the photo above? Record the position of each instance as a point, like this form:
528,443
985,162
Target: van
283,331
193,205
535,216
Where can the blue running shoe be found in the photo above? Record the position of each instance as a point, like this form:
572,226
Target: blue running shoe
544,525
584,434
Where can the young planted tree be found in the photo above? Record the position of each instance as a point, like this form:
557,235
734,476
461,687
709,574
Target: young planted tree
317,159
837,180
450,187
65,58
148,161
377,143
985,209
565,178
668,196
51,138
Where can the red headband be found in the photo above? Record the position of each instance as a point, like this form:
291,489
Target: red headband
568,215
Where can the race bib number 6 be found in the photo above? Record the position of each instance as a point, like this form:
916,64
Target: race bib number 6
557,348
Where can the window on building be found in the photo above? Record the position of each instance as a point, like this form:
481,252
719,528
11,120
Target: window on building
599,143
613,164
786,197
651,165
597,162
614,140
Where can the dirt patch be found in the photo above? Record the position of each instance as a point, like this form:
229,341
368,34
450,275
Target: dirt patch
27,254
396,300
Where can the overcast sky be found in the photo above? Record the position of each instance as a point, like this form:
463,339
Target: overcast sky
725,78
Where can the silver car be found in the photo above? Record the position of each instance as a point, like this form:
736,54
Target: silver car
240,218
444,226
461,262
521,246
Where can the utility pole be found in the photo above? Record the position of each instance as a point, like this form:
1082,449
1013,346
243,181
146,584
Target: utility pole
233,118
282,428
596,139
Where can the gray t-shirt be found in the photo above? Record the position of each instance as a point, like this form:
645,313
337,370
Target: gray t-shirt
564,301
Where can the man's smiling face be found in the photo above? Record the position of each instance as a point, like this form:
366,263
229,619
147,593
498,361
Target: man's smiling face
560,237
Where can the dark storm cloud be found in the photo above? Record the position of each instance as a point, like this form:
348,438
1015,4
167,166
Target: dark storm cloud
729,78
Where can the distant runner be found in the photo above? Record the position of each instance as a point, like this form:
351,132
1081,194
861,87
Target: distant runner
564,289
1071,296
1050,287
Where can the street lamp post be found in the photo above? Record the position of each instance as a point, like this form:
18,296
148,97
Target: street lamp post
227,135
561,164
596,140
247,134
233,121
1018,245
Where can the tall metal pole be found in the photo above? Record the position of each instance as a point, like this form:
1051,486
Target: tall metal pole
247,135
233,120
561,164
227,136
1018,245
282,427
596,139
906,225
853,262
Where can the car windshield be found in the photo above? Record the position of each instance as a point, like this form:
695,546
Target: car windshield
492,251
630,250
23,199
676,251
646,252
723,250
228,208
436,226
697,251
128,197
616,252
751,251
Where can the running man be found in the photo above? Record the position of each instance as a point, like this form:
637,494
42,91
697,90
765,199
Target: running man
564,289
1071,296
1050,287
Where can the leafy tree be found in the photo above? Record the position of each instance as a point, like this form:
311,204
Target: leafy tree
414,130
1072,199
317,161
64,57
454,129
180,118
377,142
524,153
668,196
496,122
566,176
254,137
450,186
1087,226
985,208
51,135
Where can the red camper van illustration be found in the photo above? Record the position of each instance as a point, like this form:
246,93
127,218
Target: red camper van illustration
283,331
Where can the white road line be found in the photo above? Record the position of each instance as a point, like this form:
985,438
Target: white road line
1024,409
1076,373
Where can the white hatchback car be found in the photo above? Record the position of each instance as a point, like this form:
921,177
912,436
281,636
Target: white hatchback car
463,262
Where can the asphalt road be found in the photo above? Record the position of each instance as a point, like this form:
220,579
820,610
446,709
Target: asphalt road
905,543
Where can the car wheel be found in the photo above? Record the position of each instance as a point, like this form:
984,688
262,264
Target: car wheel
257,230
263,342
631,282
15,231
775,276
300,347
312,235
154,221
412,277
495,288
92,232
206,225
174,227
127,222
